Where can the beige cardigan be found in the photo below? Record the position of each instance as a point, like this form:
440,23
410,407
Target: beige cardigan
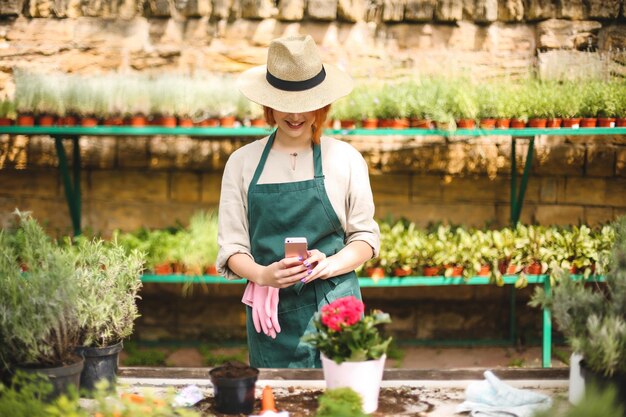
346,181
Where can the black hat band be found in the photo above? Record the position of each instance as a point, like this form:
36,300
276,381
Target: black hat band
296,85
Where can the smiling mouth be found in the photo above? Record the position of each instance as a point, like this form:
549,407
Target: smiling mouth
294,125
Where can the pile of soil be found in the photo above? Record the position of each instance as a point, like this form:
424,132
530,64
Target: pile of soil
402,401
234,369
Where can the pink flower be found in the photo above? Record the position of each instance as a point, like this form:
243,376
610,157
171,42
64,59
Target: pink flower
343,312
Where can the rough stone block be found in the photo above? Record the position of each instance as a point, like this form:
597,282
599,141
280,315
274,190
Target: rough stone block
132,35
128,186
393,10
511,10
572,9
503,214
132,152
615,193
595,216
11,7
211,187
468,190
98,152
600,160
185,187
170,151
585,191
195,8
391,187
559,160
559,215
425,188
35,183
482,11
322,9
420,10
475,215
539,9
291,10
351,10
612,37
620,162
52,213
552,189
222,8
567,34
604,9
157,8
257,9
449,10
14,152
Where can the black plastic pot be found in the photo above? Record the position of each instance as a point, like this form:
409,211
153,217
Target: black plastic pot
100,363
234,394
618,381
61,377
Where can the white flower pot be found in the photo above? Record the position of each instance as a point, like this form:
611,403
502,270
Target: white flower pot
362,377
576,380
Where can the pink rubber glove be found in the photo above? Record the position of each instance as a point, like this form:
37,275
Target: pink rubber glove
264,303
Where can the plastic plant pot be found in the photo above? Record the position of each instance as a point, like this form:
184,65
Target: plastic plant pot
100,363
233,388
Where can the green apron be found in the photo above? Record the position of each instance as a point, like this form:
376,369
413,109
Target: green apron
295,209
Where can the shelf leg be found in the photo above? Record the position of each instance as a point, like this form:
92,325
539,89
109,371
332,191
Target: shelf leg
72,191
547,328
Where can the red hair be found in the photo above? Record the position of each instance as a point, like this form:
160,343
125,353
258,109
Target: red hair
319,121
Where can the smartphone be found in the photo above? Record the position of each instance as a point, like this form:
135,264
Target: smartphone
296,246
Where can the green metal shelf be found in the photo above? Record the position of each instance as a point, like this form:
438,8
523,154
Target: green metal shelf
261,131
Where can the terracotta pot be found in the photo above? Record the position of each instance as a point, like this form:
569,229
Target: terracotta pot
588,122
620,122
485,270
347,124
518,124
138,120
258,122
164,268
227,121
457,270
46,120
114,121
533,269
402,123
402,272
422,123
185,122
385,123
5,121
554,123
507,268
537,122
431,271
577,271
466,123
210,122
572,122
487,123
375,273
606,121
167,121
370,123
211,270
88,121
25,120
503,123
67,121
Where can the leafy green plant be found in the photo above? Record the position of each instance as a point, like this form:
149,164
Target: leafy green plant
462,100
26,91
592,99
108,279
39,312
340,402
596,403
7,108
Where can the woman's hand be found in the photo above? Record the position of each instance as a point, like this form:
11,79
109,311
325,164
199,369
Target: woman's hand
284,273
318,266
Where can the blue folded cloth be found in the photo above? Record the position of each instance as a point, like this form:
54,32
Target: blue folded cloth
494,398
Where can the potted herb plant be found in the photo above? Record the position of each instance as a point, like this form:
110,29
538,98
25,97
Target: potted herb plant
352,349
592,317
108,280
40,327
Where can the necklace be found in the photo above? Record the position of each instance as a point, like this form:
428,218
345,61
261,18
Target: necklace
293,156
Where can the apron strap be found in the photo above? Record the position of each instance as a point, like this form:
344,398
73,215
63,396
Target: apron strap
261,164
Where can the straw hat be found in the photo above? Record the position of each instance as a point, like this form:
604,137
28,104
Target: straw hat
294,79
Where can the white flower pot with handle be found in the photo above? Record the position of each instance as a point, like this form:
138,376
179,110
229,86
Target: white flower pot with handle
576,381
363,377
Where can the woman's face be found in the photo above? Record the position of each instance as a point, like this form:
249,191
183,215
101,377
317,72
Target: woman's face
295,125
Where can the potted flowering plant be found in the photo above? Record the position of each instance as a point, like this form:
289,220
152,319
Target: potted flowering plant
352,348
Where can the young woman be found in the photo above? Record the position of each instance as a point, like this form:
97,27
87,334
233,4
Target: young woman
294,183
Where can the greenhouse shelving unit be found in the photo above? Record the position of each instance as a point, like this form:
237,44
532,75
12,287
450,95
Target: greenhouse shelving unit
518,188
